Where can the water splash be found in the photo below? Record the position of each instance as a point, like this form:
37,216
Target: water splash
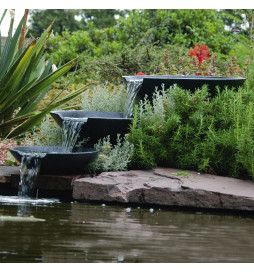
30,167
132,90
71,128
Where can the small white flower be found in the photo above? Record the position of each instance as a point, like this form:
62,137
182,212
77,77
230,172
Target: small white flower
54,68
128,209
103,205
151,210
12,13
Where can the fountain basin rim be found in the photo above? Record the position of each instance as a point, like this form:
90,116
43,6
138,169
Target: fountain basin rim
22,150
180,77
61,112
55,161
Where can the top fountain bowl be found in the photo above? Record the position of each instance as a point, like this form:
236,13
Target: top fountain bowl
150,82
55,160
98,124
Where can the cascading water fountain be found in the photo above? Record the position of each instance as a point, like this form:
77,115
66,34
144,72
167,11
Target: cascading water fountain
52,159
92,126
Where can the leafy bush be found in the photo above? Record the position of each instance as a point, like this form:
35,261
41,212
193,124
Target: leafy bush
105,98
70,45
48,133
112,157
151,59
175,26
193,131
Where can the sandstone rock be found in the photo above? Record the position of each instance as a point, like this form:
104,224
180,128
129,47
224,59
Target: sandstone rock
169,187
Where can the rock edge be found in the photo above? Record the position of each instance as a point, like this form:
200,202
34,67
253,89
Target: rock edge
167,187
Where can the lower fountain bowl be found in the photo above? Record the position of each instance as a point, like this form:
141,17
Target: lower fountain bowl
56,160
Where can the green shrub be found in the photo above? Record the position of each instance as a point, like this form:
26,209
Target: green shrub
193,131
48,133
112,157
70,45
105,98
184,27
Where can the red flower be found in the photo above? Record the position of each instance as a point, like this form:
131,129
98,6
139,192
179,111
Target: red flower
201,52
140,74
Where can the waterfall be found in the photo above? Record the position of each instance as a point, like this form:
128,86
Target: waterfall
132,90
71,128
30,167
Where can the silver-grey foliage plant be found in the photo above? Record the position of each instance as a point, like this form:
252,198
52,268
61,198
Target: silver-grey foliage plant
49,133
101,98
112,157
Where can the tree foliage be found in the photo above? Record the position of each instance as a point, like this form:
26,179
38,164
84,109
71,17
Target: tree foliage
64,19
101,18
71,19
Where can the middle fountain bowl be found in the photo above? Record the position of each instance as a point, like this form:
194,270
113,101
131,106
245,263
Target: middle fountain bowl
56,160
98,124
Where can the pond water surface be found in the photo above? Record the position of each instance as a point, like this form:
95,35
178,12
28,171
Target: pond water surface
78,232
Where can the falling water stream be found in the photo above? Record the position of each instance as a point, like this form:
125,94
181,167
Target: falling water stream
132,90
71,128
30,167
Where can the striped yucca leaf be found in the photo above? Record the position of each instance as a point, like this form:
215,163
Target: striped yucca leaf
36,117
10,48
25,78
13,82
3,15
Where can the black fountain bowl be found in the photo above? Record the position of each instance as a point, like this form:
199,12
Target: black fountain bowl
98,125
57,161
191,83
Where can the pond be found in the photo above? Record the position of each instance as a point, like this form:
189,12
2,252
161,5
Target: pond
82,233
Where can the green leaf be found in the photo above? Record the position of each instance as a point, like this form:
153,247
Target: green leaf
10,49
24,80
36,117
3,16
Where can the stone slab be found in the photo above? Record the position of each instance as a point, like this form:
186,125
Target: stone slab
48,182
6,172
167,187
11,176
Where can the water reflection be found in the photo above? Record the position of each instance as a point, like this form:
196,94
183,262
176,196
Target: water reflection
91,233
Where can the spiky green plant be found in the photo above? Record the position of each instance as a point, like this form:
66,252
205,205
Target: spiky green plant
25,78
